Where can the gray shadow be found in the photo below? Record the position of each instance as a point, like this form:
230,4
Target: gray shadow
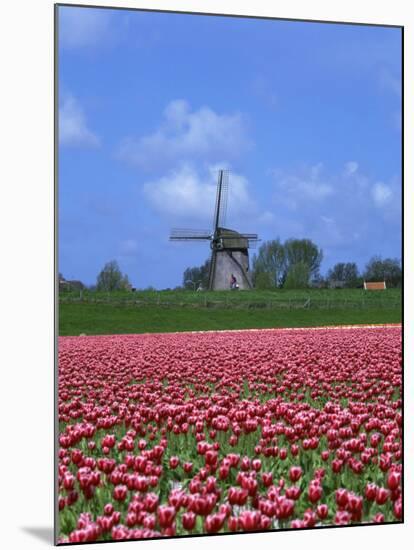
45,534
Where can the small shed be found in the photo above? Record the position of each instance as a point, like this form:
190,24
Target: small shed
379,285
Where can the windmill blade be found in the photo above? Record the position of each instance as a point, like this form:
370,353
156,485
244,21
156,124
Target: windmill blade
220,210
212,269
224,196
248,236
190,235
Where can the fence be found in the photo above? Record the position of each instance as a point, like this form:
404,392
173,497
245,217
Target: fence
228,303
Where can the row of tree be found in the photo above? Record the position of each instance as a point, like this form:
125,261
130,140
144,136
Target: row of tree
292,264
296,264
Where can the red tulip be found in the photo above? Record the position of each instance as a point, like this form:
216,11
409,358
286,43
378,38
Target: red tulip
342,517
322,511
282,453
120,492
131,519
151,502
341,496
286,508
397,509
249,521
382,496
295,473
189,521
294,449
174,462
309,518
149,522
214,523
166,515
336,465
314,492
267,479
293,492
355,506
371,491
393,480
232,523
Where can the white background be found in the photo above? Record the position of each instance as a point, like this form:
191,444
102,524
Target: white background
26,274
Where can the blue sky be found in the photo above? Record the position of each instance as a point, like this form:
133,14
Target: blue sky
306,116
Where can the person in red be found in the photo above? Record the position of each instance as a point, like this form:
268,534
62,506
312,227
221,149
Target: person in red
233,282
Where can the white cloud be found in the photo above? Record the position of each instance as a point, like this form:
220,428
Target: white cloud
186,194
184,133
309,185
348,207
381,193
351,167
73,129
82,27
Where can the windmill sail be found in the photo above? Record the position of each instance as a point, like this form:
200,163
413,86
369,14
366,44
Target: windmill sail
220,210
190,234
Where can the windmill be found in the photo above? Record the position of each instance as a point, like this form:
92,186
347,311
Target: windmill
229,248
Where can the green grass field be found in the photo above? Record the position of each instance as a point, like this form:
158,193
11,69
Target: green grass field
166,311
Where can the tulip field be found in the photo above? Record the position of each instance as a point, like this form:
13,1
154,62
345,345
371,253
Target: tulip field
194,433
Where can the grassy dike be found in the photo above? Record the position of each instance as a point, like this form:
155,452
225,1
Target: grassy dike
89,318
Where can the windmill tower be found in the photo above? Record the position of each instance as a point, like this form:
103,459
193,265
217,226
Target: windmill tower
229,248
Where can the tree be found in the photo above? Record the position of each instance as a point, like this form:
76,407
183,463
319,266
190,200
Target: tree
346,273
388,270
303,251
269,264
318,281
125,284
194,276
297,276
264,281
111,278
